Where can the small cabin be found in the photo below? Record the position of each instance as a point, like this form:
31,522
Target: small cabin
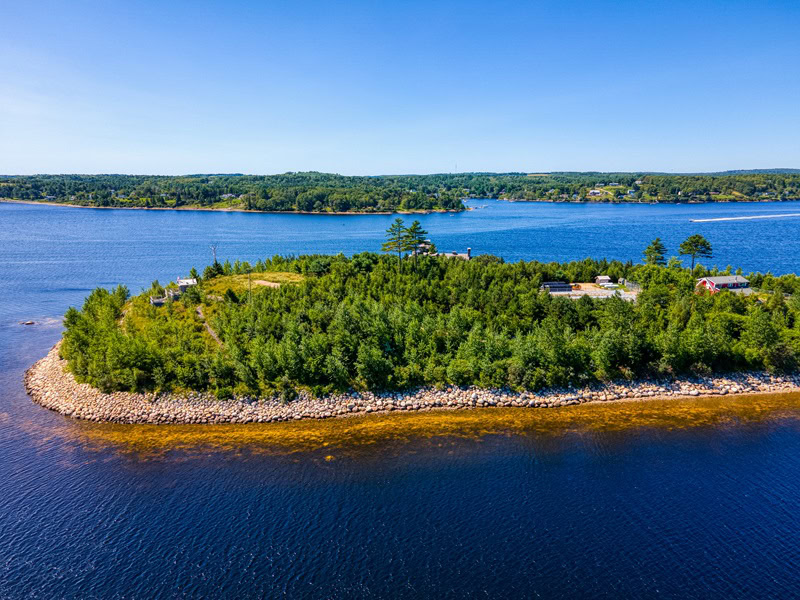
734,283
184,284
602,280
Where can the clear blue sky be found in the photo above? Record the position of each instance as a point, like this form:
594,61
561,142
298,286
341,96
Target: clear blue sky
398,87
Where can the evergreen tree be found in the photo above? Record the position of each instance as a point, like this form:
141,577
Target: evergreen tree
413,238
654,253
395,238
695,246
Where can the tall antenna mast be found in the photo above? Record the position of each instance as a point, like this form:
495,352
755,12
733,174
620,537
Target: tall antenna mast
214,251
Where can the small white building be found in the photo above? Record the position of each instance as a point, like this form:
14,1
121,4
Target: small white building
184,284
602,280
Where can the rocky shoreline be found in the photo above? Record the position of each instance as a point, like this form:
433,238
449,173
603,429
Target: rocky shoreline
52,386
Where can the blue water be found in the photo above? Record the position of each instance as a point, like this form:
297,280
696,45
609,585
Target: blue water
53,256
710,512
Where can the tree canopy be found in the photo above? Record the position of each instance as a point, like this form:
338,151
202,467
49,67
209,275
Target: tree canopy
654,254
324,192
338,323
696,246
395,238
401,239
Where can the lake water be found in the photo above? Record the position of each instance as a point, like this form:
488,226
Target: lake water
675,501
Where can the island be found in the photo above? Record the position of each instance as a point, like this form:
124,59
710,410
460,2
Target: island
324,193
319,336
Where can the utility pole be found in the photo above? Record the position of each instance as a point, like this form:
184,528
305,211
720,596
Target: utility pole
214,252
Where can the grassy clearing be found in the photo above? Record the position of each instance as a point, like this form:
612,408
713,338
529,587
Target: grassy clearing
238,283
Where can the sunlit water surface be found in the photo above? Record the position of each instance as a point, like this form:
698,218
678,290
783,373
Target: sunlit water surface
673,499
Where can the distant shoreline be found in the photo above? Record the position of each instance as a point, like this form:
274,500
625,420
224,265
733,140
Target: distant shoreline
384,212
242,210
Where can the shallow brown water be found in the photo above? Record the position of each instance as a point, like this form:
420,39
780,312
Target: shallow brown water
354,434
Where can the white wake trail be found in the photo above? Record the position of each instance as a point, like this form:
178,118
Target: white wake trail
781,216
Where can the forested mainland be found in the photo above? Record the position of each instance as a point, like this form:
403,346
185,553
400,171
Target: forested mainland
322,192
404,319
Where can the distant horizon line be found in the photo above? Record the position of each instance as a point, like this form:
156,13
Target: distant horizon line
762,171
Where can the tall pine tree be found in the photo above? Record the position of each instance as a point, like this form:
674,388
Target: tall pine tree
395,238
654,253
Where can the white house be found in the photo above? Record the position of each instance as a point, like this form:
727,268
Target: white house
184,284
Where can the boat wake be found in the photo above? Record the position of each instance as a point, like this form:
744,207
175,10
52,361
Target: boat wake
750,218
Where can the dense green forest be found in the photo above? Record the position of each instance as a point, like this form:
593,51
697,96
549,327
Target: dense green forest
307,192
321,192
380,322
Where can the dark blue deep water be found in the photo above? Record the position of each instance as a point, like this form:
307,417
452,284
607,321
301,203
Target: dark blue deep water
705,512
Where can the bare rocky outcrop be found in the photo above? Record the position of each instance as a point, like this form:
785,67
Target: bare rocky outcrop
50,384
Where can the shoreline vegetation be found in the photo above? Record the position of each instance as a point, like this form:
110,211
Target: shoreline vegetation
296,336
51,385
324,193
189,208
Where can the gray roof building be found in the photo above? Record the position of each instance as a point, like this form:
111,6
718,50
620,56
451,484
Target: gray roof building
734,283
